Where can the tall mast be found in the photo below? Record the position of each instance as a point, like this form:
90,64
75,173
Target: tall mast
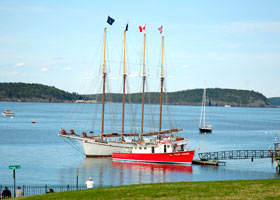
124,76
161,85
143,92
204,100
104,78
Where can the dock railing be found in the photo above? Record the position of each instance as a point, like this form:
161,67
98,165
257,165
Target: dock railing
30,190
236,154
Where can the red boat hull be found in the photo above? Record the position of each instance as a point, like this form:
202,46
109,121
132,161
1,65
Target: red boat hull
184,157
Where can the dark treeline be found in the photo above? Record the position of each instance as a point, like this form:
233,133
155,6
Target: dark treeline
215,96
34,92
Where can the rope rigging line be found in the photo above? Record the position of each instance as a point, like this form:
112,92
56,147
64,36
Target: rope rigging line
73,145
171,120
132,112
152,125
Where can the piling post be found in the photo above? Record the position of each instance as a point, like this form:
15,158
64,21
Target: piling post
77,179
252,159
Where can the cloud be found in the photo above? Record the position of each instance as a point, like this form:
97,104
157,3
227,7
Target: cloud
67,68
20,64
49,63
57,58
86,76
231,45
37,9
44,69
185,66
133,74
12,40
236,28
245,27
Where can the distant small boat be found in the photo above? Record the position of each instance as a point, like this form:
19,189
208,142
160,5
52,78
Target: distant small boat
33,122
227,106
203,128
8,113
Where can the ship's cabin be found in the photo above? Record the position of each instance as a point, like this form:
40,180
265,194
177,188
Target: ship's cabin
159,148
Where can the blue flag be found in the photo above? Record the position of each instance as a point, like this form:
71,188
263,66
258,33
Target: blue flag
110,20
126,27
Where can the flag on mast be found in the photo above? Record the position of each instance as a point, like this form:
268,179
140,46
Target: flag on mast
110,20
126,27
160,29
142,28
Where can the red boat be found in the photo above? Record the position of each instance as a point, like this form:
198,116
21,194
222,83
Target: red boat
171,152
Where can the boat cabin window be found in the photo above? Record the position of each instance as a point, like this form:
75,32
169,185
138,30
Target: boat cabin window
168,146
164,148
182,147
145,147
140,147
153,149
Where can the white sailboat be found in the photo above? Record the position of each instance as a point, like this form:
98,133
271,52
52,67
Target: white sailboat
203,127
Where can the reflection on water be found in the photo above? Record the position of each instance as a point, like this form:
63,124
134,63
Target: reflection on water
106,172
98,169
148,172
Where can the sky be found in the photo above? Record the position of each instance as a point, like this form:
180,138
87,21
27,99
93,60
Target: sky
227,44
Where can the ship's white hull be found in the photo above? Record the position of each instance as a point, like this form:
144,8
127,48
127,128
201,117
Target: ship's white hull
94,149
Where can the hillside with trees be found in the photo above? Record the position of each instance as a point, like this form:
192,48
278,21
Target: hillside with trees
215,96
34,93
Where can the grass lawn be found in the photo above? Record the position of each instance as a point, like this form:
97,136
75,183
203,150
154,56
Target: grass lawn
244,189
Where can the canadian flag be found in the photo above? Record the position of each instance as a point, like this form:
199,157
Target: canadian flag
142,28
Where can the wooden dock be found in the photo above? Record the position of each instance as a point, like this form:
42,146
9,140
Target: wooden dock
207,162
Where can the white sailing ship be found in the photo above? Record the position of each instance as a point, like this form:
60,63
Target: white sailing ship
101,145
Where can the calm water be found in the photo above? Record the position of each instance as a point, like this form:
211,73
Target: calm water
46,158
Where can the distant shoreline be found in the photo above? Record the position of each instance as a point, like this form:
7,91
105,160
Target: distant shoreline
90,102
220,97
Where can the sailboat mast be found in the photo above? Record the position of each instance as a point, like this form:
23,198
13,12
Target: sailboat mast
124,77
143,92
161,85
104,78
204,100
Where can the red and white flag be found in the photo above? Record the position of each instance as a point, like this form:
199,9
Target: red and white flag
142,28
160,29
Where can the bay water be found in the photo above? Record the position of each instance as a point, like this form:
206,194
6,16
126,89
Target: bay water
46,158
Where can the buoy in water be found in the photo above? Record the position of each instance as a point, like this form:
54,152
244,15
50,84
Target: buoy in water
33,122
